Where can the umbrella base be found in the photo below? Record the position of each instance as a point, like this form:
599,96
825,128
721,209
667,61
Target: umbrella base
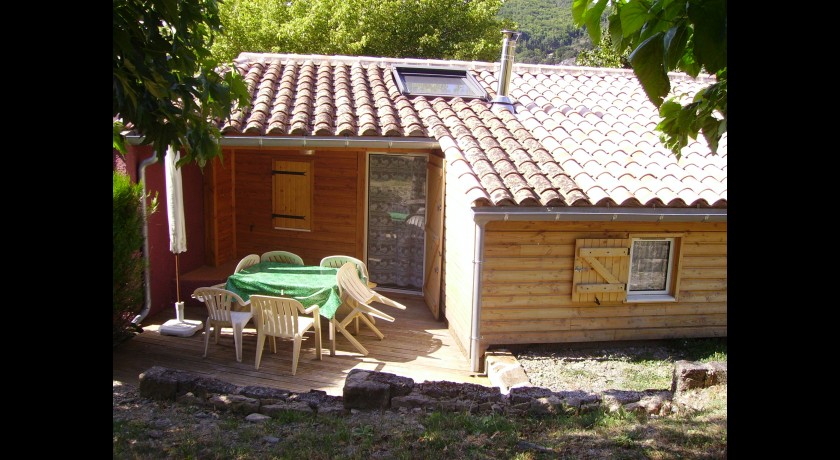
179,326
185,328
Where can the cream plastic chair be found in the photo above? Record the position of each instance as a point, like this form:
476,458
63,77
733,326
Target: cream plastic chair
281,317
247,261
220,313
285,257
338,261
357,297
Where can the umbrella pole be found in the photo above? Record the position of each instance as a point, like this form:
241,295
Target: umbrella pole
179,306
177,279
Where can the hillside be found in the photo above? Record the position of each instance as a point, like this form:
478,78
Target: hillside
549,35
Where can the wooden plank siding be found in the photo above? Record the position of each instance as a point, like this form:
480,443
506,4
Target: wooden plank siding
219,244
337,214
241,204
527,275
458,267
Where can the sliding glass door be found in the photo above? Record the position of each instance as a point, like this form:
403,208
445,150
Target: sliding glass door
396,220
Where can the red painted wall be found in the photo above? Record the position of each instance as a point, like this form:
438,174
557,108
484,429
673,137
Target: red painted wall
161,260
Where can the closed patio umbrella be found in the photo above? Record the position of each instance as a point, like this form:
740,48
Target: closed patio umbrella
177,243
175,215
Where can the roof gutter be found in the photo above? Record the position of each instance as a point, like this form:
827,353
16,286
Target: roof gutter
419,143
599,214
141,174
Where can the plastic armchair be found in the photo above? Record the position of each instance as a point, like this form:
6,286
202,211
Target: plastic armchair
338,261
247,261
357,297
285,257
221,313
283,317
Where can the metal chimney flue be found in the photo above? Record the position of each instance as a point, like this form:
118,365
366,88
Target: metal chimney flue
502,91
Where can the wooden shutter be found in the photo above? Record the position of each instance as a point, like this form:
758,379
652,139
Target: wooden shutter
601,270
292,198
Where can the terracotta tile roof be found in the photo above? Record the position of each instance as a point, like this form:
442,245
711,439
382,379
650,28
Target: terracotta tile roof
578,137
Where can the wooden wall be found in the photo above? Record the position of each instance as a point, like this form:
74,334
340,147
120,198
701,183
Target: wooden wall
527,286
337,215
239,195
219,208
458,266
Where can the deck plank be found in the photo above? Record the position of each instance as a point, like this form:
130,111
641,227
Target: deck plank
415,346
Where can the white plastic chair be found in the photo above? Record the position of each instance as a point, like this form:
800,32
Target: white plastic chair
285,257
220,314
281,317
357,296
247,261
338,261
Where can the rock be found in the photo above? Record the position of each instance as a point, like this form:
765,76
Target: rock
688,375
257,418
411,401
280,407
237,404
374,390
159,383
504,371
363,393
264,394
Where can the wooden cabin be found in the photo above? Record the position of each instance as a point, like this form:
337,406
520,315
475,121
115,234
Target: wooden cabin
549,213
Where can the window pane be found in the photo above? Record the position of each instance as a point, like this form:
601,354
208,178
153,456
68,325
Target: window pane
438,84
649,267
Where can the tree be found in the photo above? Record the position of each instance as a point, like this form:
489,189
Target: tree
604,55
665,35
438,29
166,86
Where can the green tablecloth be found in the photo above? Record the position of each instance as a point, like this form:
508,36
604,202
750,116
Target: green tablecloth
310,285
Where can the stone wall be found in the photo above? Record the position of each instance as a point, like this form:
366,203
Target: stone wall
371,390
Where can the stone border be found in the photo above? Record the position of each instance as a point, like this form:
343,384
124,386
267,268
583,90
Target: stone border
372,390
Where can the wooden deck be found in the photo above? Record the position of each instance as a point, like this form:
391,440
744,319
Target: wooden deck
415,345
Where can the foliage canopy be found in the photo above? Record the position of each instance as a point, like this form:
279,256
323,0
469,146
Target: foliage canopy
166,85
427,29
666,35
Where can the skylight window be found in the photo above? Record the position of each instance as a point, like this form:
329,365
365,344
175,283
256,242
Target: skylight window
435,82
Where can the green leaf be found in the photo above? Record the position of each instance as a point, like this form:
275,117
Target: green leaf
617,35
647,62
675,39
578,10
593,20
634,15
709,18
711,133
669,109
119,140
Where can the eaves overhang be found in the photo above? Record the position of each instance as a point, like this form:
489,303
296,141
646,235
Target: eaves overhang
600,214
419,143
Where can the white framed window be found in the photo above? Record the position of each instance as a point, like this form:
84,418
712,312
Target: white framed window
651,269
637,268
